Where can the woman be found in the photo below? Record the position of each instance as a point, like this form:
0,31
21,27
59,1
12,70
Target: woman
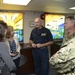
14,46
8,64
64,60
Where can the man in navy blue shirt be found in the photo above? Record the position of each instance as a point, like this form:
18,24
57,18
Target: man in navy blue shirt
40,38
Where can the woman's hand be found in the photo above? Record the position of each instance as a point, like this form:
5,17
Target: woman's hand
14,54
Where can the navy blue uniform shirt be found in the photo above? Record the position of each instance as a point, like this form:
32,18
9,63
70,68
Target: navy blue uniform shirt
42,35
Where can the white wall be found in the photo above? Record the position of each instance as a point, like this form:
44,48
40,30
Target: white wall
29,16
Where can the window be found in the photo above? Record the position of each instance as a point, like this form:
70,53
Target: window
15,20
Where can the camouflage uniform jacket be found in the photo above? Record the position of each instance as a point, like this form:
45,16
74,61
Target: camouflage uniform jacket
64,59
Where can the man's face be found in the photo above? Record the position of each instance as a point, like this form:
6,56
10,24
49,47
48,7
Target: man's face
37,23
69,25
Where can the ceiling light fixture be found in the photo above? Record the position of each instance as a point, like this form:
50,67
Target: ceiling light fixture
17,2
72,8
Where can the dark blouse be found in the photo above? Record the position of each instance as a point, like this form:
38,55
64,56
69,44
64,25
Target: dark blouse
12,46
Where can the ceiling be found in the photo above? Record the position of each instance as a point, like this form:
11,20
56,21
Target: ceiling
52,6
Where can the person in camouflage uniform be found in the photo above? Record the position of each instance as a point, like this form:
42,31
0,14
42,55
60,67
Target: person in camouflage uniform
64,59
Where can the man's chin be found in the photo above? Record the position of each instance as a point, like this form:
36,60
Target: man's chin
37,27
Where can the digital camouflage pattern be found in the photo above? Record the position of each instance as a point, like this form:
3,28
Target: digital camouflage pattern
64,59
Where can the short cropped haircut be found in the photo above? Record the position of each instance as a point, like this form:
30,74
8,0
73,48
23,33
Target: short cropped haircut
72,18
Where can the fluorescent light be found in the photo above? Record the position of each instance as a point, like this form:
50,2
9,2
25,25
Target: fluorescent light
72,8
17,2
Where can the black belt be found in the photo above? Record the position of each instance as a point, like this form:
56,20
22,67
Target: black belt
41,47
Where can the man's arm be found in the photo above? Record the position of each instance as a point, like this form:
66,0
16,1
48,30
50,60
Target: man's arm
44,44
32,43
